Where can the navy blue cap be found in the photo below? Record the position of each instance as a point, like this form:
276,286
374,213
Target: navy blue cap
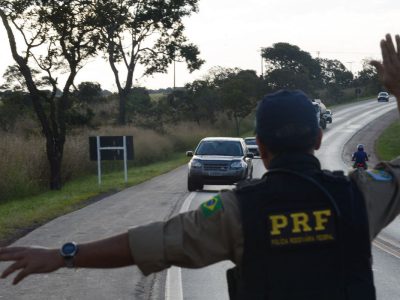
287,121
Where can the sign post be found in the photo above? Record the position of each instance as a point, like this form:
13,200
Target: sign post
111,148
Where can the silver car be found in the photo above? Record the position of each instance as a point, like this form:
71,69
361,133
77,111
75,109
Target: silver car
219,160
383,97
252,146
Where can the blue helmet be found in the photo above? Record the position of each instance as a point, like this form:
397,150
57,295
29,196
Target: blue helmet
360,147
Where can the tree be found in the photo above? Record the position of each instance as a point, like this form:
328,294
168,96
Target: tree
14,105
368,78
89,92
240,93
146,32
287,66
138,100
58,36
335,78
334,72
202,101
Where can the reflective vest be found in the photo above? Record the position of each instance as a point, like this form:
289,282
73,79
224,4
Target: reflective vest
305,238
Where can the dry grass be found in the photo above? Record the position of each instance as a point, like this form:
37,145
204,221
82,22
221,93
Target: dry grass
103,110
24,167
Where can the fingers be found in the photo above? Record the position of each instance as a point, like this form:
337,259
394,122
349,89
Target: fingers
391,56
13,254
9,254
397,37
14,267
378,66
21,275
389,44
387,49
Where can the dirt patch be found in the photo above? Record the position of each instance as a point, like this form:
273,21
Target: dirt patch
368,136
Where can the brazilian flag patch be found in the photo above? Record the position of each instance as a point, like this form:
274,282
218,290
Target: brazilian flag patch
210,207
380,175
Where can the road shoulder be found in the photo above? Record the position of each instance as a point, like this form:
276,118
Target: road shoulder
368,136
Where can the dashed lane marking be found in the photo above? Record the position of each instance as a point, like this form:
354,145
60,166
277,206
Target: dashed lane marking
173,286
386,246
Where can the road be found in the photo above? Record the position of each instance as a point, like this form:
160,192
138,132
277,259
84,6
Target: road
160,198
209,283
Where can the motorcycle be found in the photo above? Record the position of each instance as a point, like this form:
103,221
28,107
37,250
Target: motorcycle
360,166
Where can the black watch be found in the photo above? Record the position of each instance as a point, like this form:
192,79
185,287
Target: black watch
68,251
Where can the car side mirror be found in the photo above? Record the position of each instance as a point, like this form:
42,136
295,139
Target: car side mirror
189,153
250,155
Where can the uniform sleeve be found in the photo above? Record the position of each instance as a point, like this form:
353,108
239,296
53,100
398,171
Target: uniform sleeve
193,239
380,188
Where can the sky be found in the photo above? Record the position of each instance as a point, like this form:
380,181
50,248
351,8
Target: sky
230,33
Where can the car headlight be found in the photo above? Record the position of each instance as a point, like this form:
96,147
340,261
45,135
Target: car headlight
196,163
237,164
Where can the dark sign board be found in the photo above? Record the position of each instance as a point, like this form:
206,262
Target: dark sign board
111,141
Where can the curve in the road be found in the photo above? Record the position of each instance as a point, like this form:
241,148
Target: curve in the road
348,120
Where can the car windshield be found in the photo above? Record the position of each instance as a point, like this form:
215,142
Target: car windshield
224,148
250,141
383,94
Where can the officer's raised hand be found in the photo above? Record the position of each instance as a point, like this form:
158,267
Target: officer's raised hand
389,68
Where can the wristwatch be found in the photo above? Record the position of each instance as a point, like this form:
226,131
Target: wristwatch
68,251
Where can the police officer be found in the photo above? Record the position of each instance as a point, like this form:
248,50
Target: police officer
298,233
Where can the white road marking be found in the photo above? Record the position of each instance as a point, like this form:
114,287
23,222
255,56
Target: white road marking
174,290
186,204
173,286
387,247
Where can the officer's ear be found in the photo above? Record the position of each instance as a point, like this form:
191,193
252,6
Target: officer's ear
262,149
265,155
318,141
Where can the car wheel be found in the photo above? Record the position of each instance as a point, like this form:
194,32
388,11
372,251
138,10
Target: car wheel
192,185
200,186
250,175
323,123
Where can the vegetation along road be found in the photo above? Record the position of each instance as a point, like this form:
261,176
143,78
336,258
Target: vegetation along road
158,199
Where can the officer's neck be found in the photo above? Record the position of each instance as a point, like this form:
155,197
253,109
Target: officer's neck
268,156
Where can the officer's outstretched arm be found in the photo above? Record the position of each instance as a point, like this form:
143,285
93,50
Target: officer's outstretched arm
111,252
389,68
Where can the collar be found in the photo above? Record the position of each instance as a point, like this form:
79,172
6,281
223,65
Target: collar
295,161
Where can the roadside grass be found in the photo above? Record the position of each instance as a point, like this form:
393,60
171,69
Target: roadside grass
18,216
350,101
388,144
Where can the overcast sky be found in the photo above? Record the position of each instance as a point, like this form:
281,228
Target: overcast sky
230,33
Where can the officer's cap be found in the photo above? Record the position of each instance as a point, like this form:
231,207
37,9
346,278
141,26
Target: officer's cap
287,121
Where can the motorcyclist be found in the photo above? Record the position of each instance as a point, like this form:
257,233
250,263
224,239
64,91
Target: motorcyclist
360,157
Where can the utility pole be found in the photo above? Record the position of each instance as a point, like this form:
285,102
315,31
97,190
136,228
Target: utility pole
174,74
262,62
351,66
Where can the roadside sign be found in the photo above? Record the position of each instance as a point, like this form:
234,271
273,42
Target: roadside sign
111,148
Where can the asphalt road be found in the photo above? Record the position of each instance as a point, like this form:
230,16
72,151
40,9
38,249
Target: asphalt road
157,200
209,283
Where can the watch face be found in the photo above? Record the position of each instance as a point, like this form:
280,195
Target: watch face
68,249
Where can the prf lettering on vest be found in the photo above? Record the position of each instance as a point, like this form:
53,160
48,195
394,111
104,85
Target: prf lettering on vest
300,221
